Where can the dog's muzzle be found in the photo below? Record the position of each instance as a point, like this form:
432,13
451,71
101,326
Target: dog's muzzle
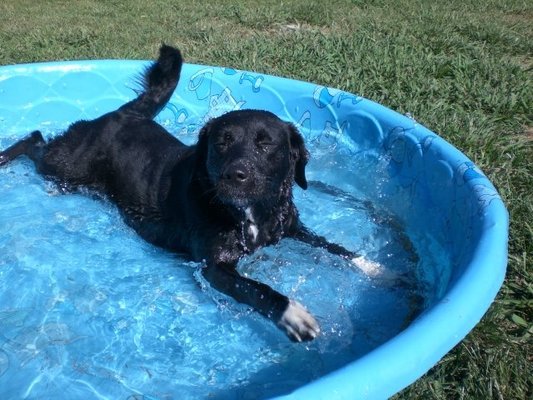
238,185
236,174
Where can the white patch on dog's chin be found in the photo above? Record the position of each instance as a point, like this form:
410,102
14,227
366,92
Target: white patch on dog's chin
298,323
253,230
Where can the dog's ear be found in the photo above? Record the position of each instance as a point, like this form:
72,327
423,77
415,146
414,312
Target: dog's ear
203,137
299,156
202,145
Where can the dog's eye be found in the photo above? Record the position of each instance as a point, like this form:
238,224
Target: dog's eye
224,141
265,145
264,141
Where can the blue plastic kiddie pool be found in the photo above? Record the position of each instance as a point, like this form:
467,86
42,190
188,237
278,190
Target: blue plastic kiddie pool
90,311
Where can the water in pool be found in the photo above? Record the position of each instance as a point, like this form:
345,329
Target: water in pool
88,310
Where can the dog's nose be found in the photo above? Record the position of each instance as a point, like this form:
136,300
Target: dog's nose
236,174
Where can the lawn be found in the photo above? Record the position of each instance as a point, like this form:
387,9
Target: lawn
461,68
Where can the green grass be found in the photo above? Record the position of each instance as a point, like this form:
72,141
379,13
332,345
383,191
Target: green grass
462,68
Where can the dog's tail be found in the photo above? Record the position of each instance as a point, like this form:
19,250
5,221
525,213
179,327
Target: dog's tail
159,82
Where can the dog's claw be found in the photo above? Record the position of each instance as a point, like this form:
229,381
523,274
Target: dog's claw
298,323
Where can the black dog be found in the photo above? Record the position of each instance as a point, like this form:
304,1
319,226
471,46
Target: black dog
226,196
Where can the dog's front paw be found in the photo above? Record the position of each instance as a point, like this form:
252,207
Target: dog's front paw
375,270
370,268
298,323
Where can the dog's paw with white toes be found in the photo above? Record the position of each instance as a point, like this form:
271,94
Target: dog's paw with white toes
298,323
376,270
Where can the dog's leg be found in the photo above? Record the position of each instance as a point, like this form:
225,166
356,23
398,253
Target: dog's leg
369,267
306,236
30,146
289,315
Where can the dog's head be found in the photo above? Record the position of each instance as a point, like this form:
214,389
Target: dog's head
251,157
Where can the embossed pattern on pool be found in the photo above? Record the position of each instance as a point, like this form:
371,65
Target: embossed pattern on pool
89,310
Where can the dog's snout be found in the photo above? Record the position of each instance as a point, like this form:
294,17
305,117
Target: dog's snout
236,173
